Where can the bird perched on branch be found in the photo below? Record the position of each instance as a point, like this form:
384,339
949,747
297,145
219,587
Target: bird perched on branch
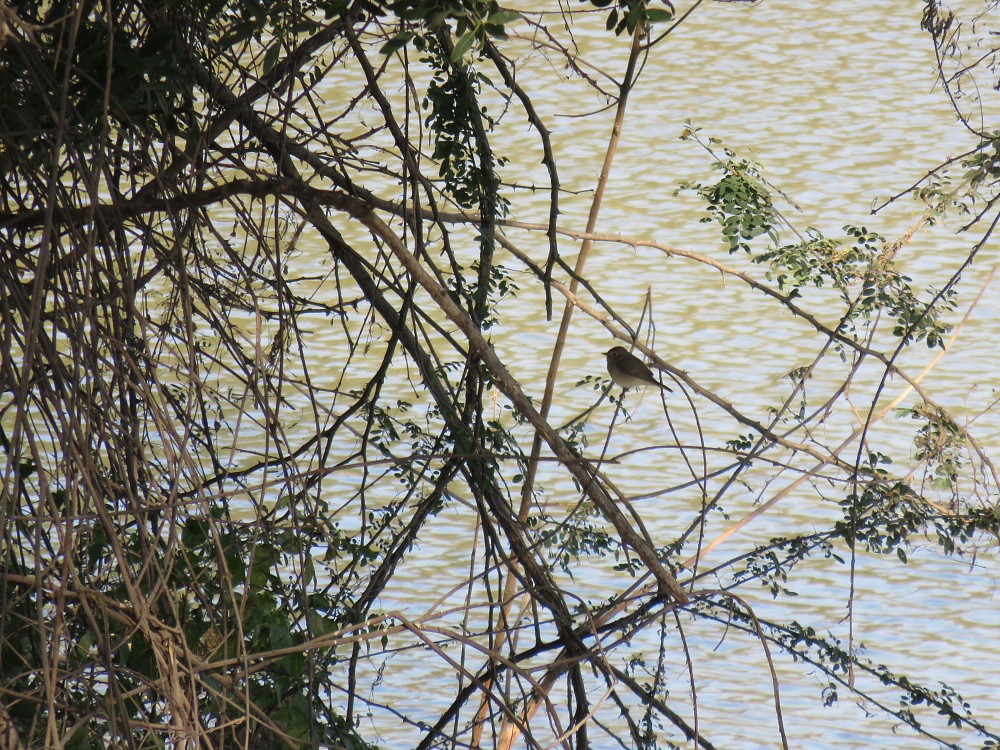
629,371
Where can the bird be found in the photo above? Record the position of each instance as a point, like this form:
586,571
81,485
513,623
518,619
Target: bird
629,371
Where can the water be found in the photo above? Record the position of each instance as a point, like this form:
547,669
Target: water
839,102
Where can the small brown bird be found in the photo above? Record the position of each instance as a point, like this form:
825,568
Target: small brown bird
629,371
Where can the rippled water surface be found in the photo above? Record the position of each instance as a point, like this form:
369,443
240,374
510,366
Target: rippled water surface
839,101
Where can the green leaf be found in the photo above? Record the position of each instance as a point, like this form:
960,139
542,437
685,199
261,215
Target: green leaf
279,635
194,534
659,15
495,30
308,571
397,42
503,17
463,45
271,57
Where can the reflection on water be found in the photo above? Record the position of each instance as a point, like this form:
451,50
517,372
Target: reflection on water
838,101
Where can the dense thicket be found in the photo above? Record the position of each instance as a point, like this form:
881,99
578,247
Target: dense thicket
220,451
